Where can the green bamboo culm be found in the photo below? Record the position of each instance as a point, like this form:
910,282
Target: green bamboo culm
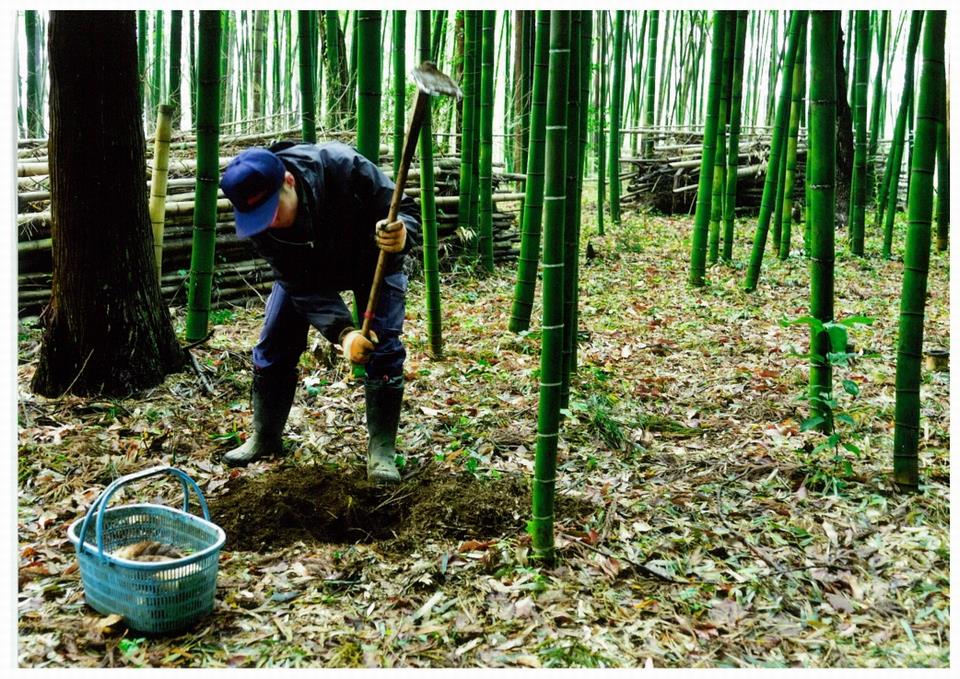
684,112
439,30
720,158
651,81
193,67
701,220
524,81
308,107
331,37
883,182
485,188
239,73
468,126
633,82
570,249
275,71
909,139
888,211
318,60
503,56
601,111
34,76
350,98
525,287
368,84
428,211
22,103
943,177
821,173
224,61
858,188
616,105
259,81
916,259
768,198
399,85
586,41
733,151
173,75
674,19
156,80
365,68
551,352
473,243
793,131
141,58
775,223
208,175
876,120
772,64
849,55
287,94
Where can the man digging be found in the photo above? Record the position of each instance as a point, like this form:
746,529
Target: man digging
316,214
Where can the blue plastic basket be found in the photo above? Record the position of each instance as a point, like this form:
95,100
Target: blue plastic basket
151,596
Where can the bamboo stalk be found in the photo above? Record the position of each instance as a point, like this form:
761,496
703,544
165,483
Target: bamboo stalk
201,264
822,207
486,142
770,184
431,266
548,414
158,180
705,191
916,261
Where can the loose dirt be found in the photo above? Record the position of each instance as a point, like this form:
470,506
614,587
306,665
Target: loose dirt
339,506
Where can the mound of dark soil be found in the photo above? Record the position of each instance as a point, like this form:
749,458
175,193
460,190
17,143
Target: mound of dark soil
337,505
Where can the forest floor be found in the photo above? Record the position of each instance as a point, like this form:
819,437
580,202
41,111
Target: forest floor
697,524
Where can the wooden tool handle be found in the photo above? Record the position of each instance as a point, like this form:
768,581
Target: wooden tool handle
410,145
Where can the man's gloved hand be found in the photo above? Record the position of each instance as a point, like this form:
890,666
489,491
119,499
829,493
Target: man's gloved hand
356,347
391,237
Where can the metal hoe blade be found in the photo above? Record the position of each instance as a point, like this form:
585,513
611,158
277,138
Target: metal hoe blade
433,82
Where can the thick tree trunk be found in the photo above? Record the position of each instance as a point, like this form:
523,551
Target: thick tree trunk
106,329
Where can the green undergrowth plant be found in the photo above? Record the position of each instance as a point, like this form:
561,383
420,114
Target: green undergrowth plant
832,412
597,412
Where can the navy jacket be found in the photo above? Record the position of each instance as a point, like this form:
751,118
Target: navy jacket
341,196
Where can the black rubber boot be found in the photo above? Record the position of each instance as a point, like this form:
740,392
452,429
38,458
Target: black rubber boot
383,419
272,396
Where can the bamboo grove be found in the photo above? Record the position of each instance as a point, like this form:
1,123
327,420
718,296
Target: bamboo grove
554,98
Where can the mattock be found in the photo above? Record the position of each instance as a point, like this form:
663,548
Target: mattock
430,81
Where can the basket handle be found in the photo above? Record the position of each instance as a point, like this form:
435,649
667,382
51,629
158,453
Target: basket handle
100,504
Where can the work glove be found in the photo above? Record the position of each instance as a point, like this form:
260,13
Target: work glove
356,347
391,237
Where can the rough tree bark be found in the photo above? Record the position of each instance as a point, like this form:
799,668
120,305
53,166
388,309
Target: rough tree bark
106,329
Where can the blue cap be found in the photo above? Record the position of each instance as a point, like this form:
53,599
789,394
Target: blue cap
252,182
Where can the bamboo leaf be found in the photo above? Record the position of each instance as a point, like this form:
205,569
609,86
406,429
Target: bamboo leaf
838,337
851,387
812,422
853,448
851,321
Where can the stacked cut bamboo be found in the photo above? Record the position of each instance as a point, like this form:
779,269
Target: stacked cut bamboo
507,196
240,275
667,181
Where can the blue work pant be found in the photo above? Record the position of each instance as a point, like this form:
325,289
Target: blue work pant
289,316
